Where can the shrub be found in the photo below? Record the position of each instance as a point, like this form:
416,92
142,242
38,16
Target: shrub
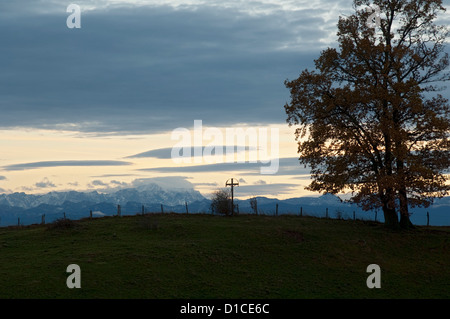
221,202
62,224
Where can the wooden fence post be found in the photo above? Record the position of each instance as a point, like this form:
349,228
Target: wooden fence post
326,213
143,210
119,210
301,211
90,214
428,219
64,215
276,213
43,219
354,216
187,211
162,209
18,221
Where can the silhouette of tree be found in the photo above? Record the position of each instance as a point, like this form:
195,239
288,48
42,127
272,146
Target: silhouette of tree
221,202
370,118
254,204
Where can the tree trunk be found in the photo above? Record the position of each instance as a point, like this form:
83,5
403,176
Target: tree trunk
390,217
390,214
405,222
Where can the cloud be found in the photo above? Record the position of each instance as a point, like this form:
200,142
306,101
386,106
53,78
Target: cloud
166,153
167,182
45,184
206,184
147,69
2,178
108,186
261,187
274,189
113,175
163,153
118,183
98,183
287,166
45,164
142,184
152,66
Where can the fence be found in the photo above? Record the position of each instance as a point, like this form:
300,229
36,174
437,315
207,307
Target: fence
339,214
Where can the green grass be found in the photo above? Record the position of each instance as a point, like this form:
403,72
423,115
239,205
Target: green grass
202,256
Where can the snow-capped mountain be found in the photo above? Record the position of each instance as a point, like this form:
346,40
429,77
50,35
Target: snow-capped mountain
28,209
150,194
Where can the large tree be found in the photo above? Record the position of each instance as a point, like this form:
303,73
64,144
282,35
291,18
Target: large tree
370,117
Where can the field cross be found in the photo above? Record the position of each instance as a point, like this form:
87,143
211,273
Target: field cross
232,184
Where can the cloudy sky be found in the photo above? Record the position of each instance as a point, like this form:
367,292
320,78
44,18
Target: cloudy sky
98,107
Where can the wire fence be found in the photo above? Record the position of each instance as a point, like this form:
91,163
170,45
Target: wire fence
275,211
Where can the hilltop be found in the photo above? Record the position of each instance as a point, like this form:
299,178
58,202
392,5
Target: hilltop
204,256
154,198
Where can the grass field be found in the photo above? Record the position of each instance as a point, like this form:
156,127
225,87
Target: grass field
202,256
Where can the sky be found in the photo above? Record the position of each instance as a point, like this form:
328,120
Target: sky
106,105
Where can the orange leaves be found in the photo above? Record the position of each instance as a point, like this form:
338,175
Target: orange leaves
365,123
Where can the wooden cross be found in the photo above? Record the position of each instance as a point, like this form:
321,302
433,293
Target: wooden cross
232,184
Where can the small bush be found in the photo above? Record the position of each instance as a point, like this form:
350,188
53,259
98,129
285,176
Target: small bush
221,202
62,224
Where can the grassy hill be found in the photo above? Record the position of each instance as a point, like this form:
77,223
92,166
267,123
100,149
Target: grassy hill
204,256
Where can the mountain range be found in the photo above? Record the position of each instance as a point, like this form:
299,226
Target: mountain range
28,209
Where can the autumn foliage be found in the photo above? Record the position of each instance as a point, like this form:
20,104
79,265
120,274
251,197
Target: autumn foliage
370,117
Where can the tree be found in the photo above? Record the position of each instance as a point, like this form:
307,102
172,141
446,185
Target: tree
254,204
221,202
370,118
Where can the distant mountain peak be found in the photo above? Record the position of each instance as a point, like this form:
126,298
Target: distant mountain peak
329,197
150,193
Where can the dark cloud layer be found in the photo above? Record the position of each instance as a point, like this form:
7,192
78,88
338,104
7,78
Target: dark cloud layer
148,69
287,166
193,151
